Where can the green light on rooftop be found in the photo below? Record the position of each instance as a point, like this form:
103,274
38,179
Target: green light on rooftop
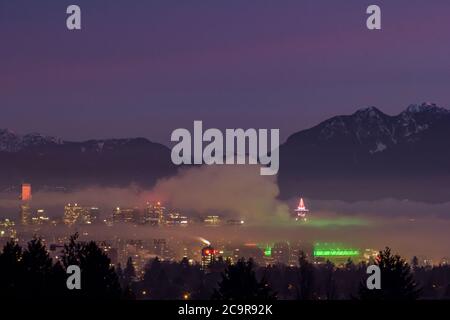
334,250
336,253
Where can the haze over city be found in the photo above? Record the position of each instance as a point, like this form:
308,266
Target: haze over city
94,94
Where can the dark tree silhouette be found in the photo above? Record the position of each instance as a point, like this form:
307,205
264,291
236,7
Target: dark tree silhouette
152,282
415,263
239,282
129,273
98,277
119,273
349,265
330,284
38,267
306,278
127,279
11,267
397,281
30,274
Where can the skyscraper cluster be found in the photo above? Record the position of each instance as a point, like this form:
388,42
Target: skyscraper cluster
76,214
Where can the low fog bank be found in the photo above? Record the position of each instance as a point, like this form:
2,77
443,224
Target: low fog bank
241,192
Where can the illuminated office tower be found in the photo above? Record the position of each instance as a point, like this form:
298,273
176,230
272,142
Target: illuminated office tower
160,248
213,221
208,257
76,214
125,215
71,214
25,214
39,217
89,215
25,208
176,219
26,192
154,214
280,253
301,211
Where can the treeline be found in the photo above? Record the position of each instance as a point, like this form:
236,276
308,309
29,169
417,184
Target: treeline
30,273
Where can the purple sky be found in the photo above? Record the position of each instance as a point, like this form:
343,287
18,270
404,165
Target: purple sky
144,68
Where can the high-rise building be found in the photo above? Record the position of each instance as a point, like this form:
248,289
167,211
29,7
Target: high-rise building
25,213
71,214
39,217
126,215
76,214
154,214
280,253
25,208
176,219
213,221
160,248
208,257
90,215
301,211
295,249
26,192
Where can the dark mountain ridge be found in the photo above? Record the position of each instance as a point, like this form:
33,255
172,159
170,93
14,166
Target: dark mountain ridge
51,161
367,155
370,155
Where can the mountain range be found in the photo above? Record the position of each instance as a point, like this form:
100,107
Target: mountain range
363,156
51,161
371,155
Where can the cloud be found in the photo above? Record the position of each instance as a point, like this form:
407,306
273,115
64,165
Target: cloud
239,191
385,208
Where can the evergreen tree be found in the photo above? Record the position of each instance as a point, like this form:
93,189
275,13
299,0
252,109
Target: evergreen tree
397,281
239,283
98,277
349,265
128,279
149,282
38,270
119,273
330,284
306,278
129,273
415,263
11,267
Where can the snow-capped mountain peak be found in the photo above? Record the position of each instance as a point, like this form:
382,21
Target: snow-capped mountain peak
12,142
368,113
427,107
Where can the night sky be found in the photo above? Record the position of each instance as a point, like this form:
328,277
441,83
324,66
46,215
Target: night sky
145,68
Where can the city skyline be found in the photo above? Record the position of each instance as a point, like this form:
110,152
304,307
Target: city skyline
228,151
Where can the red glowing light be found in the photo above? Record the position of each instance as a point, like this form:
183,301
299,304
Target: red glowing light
26,192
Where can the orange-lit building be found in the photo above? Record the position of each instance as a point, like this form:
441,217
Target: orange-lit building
26,192
25,209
